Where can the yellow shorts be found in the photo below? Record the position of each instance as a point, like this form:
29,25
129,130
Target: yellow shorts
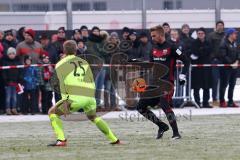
88,105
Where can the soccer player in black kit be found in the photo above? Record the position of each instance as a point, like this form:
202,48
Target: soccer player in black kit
165,53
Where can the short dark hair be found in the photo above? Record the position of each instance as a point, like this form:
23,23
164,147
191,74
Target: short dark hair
218,22
166,24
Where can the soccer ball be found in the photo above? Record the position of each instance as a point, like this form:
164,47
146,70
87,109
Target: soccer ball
139,85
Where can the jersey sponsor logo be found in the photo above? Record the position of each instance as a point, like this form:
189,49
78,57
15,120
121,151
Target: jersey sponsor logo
160,59
161,53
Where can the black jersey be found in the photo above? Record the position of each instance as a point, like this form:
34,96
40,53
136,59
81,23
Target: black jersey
167,54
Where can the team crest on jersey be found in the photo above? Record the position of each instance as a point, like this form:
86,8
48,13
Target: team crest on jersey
161,53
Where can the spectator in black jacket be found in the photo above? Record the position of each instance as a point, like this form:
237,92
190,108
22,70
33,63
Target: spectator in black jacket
167,30
125,33
134,52
215,39
12,77
47,47
84,33
21,34
174,34
145,46
9,41
57,51
81,48
76,35
186,39
228,75
201,77
57,46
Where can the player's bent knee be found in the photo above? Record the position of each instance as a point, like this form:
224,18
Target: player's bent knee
91,117
51,110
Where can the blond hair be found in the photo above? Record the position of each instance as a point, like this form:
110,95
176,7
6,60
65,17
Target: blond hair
70,47
158,29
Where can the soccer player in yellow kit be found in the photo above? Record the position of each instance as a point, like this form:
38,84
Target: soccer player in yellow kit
77,89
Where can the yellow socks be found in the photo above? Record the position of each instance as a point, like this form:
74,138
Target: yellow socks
57,126
103,127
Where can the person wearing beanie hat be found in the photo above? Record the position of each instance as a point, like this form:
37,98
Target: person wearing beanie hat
114,34
30,32
45,74
132,35
83,28
145,46
8,32
231,31
43,36
11,78
125,33
11,50
84,33
61,29
215,38
76,35
29,47
229,54
30,83
201,50
9,41
95,28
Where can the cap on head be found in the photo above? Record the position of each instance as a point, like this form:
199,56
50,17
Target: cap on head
31,32
11,50
231,31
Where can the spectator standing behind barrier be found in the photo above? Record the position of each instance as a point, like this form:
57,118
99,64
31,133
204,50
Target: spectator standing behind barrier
201,77
95,47
21,34
54,38
47,47
125,33
167,30
9,41
30,47
109,82
81,48
215,39
57,51
134,54
186,39
46,73
2,90
31,83
174,34
12,77
84,33
76,35
57,46
145,46
228,75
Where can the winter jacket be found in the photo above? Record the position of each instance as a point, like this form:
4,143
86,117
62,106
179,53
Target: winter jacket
201,77
31,78
14,75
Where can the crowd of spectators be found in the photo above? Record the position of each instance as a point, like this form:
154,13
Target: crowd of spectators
28,90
